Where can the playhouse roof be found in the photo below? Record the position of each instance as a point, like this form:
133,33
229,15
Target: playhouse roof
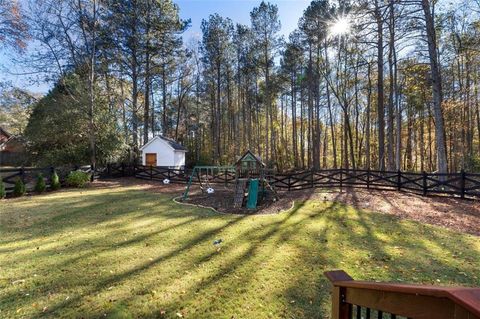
173,144
249,156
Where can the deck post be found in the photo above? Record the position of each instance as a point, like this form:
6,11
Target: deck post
340,309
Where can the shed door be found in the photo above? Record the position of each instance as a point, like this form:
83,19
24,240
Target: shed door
151,159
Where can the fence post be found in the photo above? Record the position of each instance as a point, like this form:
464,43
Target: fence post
462,183
92,176
341,179
151,172
424,183
52,171
399,179
22,174
311,178
289,181
368,178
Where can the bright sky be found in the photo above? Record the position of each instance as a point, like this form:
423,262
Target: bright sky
239,11
196,10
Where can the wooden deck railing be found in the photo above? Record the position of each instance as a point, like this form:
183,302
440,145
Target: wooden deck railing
362,299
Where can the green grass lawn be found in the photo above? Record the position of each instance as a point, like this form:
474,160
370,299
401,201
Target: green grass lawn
127,252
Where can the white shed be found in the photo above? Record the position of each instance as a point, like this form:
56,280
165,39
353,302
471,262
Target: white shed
162,151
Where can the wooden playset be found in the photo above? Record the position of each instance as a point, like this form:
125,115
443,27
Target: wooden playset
253,181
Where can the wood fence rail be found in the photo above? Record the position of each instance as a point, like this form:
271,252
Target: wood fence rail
28,175
452,184
362,299
460,184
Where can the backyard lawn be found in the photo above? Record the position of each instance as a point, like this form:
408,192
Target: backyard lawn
128,252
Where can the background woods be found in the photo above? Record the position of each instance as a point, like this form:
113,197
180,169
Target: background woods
358,85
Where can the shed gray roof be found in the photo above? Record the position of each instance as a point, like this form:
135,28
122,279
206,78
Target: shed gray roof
174,144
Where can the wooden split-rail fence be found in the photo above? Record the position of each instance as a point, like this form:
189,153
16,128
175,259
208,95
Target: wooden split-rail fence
460,184
28,175
453,184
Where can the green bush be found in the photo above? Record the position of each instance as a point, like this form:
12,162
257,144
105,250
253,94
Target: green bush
55,182
3,193
40,186
19,188
78,179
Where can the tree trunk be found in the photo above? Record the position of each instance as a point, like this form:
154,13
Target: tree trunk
436,87
380,89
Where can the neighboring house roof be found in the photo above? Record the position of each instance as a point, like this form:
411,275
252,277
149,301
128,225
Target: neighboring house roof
173,144
13,144
4,136
5,133
248,154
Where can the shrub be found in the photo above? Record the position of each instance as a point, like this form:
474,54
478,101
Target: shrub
19,188
3,193
78,178
55,182
40,186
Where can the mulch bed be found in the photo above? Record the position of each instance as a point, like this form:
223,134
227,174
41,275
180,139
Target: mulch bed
454,213
222,201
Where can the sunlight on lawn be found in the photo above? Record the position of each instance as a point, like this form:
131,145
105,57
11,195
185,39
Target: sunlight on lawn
127,252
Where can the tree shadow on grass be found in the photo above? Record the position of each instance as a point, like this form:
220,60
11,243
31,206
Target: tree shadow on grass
87,212
277,232
279,261
117,278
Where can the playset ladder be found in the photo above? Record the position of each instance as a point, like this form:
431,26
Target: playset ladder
239,192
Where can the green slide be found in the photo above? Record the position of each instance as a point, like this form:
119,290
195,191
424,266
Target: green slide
252,194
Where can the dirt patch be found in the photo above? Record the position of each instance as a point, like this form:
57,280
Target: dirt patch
458,214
